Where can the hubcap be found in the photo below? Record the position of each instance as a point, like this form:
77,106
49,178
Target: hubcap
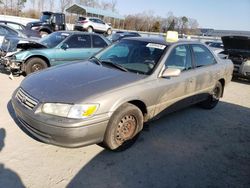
215,94
36,67
126,129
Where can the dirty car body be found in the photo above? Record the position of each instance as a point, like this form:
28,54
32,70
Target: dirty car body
137,80
56,48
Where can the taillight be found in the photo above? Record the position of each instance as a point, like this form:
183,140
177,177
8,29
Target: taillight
84,21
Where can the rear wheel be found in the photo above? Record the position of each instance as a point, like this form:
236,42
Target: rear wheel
109,31
90,30
35,64
213,98
123,128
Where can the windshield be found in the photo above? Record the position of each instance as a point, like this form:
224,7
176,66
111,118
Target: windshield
134,56
53,39
45,17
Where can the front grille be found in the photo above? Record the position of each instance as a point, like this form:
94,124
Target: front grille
26,100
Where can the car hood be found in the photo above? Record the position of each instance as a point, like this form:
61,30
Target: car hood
27,45
76,82
236,43
35,23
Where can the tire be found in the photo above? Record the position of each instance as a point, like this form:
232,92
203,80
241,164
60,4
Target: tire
109,31
90,30
213,98
123,128
35,64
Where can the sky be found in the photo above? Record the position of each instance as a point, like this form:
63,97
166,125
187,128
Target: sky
216,14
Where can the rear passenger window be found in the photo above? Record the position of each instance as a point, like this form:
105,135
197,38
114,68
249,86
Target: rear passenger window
98,42
202,56
180,57
79,41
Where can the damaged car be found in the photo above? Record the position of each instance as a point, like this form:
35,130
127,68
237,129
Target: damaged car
237,48
108,98
56,48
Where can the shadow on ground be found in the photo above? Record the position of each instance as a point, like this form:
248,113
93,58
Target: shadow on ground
189,148
8,178
241,80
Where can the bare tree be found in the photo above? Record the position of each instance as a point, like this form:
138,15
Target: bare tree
113,5
33,2
64,4
51,5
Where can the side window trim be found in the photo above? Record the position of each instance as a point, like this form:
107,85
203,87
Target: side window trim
193,56
188,48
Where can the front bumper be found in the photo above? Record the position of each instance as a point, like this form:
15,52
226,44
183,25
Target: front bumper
80,28
60,131
242,70
11,65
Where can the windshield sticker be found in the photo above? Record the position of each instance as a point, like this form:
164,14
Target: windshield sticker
158,46
65,34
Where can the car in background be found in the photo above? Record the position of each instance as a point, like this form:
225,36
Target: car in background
237,48
48,23
9,38
27,31
56,48
118,35
91,24
108,98
216,46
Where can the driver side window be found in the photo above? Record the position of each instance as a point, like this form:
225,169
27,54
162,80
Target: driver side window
180,57
79,41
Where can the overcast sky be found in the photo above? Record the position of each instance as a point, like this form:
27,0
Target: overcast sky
217,14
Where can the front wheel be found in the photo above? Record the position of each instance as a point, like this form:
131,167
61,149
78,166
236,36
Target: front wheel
123,127
34,65
213,98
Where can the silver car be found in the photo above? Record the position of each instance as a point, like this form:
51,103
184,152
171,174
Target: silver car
108,98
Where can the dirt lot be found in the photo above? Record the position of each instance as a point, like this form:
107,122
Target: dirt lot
189,148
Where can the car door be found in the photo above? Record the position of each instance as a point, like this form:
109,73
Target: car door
101,25
98,43
205,74
94,23
175,92
75,48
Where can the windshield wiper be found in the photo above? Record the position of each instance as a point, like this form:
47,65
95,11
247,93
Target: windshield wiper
96,60
118,66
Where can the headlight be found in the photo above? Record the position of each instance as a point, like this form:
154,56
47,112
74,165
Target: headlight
77,111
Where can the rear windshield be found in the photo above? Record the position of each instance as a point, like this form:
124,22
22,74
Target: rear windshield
81,18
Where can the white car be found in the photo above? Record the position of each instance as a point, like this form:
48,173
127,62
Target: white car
91,24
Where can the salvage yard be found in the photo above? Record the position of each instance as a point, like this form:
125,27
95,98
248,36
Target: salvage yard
190,148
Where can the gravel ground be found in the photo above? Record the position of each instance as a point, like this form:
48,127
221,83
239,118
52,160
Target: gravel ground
189,148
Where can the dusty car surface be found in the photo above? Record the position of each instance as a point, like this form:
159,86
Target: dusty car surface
108,98
238,50
56,48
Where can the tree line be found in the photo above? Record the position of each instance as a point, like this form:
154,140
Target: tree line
144,21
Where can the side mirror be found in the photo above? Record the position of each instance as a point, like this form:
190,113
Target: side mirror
171,72
65,46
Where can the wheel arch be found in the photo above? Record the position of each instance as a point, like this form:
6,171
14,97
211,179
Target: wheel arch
137,102
222,81
38,56
45,29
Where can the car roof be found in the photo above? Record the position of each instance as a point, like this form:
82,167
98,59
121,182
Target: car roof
161,40
78,32
6,21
